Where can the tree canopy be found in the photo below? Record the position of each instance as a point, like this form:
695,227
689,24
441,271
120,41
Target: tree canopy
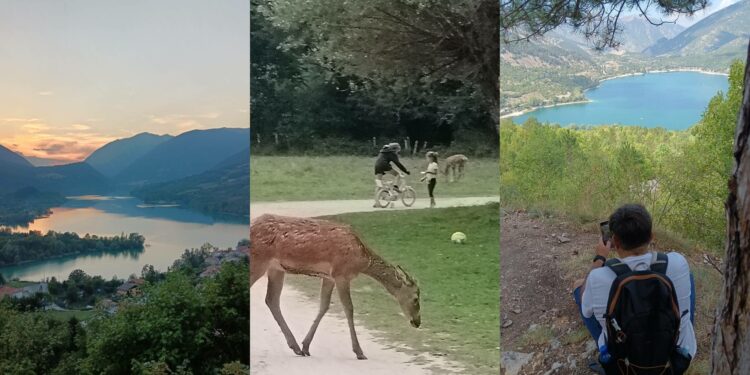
410,45
597,20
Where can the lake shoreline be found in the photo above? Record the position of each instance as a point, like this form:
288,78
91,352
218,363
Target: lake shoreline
659,71
170,231
532,109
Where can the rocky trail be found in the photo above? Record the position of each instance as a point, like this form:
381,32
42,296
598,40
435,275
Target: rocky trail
540,332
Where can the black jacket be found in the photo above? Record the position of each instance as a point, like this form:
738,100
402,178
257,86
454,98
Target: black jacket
385,158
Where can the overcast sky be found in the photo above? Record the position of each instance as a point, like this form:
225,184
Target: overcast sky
75,74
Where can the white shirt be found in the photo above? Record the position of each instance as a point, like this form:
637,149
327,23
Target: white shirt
596,293
432,170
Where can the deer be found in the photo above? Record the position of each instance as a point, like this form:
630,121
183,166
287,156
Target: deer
455,163
332,252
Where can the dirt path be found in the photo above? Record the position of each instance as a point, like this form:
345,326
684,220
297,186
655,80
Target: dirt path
541,333
335,207
331,348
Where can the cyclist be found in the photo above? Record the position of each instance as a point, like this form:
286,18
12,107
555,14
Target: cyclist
388,154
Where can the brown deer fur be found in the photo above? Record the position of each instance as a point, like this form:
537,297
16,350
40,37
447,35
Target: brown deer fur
328,250
455,164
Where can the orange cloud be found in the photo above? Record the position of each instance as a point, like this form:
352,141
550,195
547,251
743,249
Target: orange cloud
69,143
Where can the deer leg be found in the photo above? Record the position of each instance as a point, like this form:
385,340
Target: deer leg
273,300
257,270
326,289
346,301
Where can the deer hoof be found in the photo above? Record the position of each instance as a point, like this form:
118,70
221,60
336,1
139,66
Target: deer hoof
361,356
306,350
297,350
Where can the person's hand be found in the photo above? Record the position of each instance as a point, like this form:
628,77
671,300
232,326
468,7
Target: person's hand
602,248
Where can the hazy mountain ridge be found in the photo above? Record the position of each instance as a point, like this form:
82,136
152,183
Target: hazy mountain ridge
8,157
723,32
76,178
114,157
222,190
639,34
164,158
187,154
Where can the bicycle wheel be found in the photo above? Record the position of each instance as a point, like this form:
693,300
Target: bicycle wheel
408,196
382,198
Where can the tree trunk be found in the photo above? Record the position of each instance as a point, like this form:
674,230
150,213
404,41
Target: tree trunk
731,346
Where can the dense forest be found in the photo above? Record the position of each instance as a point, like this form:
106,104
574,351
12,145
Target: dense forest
183,324
307,104
26,205
24,247
679,175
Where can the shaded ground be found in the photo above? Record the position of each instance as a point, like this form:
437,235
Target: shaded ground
542,332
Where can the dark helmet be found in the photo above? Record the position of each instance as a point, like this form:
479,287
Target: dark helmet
391,147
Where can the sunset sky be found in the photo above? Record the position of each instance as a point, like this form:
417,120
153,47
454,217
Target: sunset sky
75,74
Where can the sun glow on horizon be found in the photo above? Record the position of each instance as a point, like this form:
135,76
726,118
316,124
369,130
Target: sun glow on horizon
77,76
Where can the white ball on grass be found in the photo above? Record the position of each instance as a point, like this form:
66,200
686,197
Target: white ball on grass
458,237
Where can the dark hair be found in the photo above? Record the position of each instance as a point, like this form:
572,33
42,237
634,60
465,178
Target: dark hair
632,225
434,158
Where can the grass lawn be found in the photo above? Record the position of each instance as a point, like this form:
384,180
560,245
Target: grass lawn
295,178
459,283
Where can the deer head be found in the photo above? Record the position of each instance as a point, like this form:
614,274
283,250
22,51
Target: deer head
407,296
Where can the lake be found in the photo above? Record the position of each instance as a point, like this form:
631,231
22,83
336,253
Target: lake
672,100
168,232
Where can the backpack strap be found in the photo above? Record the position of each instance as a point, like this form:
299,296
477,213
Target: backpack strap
659,262
617,266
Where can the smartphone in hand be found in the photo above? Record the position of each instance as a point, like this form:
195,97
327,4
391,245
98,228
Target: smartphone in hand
606,234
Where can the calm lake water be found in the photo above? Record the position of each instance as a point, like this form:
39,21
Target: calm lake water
673,100
168,232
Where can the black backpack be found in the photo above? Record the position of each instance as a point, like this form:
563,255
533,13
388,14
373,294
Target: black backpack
643,321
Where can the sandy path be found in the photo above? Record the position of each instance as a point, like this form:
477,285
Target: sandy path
322,208
331,348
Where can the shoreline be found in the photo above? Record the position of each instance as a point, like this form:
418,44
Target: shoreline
525,111
659,71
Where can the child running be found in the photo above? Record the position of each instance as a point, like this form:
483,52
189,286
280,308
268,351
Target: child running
431,175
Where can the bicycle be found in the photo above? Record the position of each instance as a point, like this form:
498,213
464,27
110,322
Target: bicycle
386,194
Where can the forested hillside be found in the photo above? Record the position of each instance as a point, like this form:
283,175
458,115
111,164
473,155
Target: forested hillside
584,172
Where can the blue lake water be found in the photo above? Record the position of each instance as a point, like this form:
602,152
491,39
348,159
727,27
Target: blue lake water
673,100
168,232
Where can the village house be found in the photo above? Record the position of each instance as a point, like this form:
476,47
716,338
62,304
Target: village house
219,257
131,288
24,292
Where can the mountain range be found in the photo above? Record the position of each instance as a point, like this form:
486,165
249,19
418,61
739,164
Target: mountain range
71,179
114,157
223,189
210,164
558,67
724,33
